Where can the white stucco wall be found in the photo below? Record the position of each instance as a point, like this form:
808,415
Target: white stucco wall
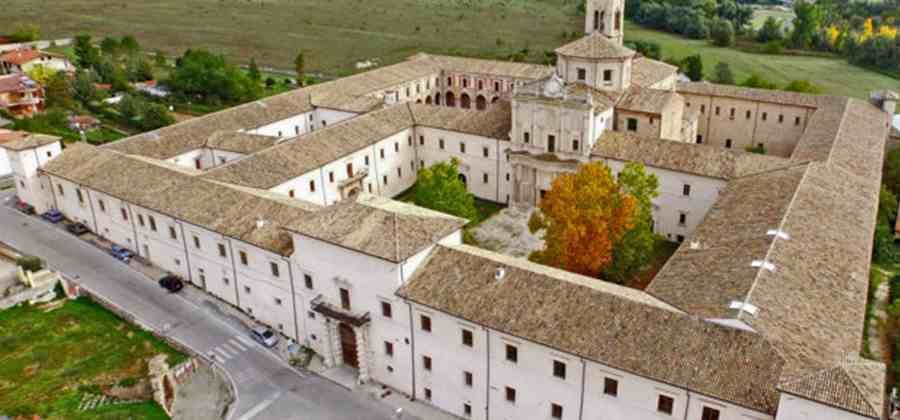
795,408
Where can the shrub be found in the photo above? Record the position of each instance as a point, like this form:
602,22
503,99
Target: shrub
30,263
722,33
773,47
723,74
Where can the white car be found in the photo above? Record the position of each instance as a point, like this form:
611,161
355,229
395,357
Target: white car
264,336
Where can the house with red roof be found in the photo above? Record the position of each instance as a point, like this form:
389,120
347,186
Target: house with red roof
24,60
20,96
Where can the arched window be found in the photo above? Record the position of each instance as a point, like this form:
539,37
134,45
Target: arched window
480,103
437,98
449,81
465,101
496,98
618,22
428,100
463,179
418,101
465,82
602,19
596,20
450,99
480,84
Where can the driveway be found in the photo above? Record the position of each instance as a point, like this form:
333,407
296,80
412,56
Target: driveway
265,386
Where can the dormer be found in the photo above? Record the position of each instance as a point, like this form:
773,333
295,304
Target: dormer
597,61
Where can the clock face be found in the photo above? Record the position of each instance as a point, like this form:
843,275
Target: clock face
554,87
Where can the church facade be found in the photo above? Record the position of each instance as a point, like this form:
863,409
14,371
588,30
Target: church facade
281,208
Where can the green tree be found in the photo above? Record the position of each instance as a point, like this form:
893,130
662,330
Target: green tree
156,116
885,252
25,33
30,263
758,82
803,86
722,33
159,59
300,67
59,92
440,188
208,78
806,23
110,46
130,45
87,55
635,249
770,30
723,74
692,66
253,71
84,87
139,69
891,171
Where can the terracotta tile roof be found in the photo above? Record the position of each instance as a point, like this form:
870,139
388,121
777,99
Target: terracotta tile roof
286,161
762,95
650,101
618,327
594,46
233,212
646,72
855,385
491,67
239,142
22,140
19,57
378,227
16,83
494,122
697,159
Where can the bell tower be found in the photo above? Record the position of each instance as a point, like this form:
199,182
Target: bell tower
606,17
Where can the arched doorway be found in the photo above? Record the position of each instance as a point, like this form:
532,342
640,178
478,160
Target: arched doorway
596,20
465,101
428,101
480,103
496,98
462,178
418,101
450,99
437,98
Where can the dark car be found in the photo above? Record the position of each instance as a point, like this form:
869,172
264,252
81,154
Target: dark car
121,254
171,283
24,207
53,216
77,229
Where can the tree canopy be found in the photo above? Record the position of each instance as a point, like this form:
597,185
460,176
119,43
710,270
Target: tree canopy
692,66
636,247
723,74
208,78
583,216
439,187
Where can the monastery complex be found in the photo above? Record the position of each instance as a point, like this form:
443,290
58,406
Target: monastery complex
282,208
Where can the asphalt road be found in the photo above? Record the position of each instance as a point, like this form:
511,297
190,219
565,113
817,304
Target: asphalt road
265,386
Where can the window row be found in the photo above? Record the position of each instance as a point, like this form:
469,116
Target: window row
748,114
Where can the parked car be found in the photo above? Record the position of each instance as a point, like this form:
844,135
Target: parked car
264,336
77,228
171,283
24,207
121,254
53,216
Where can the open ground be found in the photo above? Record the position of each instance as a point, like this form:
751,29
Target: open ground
338,33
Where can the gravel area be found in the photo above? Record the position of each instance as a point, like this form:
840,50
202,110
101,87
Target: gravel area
507,233
204,396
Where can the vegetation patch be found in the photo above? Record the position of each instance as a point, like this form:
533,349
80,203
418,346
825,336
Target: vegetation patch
49,361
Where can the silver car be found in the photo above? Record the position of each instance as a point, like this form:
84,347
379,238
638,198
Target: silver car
264,336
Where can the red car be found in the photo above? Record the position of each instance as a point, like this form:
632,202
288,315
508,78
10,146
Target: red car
24,207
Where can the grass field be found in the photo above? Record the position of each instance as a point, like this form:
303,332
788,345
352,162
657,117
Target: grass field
336,34
834,75
48,360
760,15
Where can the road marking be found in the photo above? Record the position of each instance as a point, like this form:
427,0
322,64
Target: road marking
260,407
223,353
231,348
237,344
245,340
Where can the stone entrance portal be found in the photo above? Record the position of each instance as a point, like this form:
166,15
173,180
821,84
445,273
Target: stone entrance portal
348,345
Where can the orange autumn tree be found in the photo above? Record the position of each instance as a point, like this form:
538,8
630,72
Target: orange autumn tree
583,216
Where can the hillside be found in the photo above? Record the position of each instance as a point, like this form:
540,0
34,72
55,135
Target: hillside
338,33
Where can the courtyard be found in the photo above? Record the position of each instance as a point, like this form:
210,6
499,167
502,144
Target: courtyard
58,362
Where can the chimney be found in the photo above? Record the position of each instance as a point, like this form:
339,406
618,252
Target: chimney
390,97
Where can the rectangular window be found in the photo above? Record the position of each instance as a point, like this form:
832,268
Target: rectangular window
582,74
78,193
462,147
765,115
312,186
748,114
61,192
797,121
399,172
727,143
381,153
709,413
467,338
243,256
426,363
780,118
575,145
409,141
222,250
345,299
699,139
172,233
731,114
425,323
331,176
556,411
526,138
152,223
510,395
291,193
484,178
102,205
467,409
396,146
702,109
665,404
717,110
367,160
427,394
124,214
141,220
388,349
421,140
278,301
386,310
308,281
512,353
441,144
385,179
551,144
247,289
559,369
610,387
350,170
632,124
686,191
196,242
607,75
274,267
485,152
682,218
468,380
